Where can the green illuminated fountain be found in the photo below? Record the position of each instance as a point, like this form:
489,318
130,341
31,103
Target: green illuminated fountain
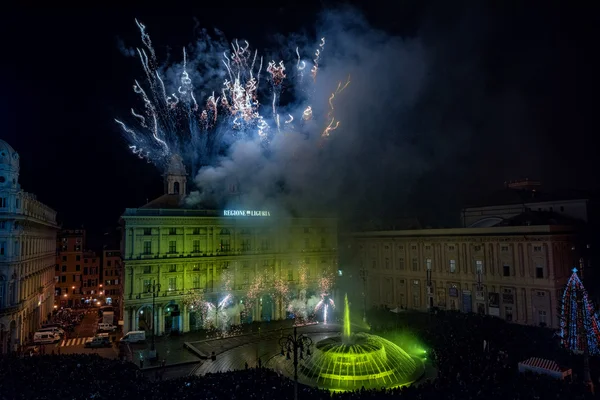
352,361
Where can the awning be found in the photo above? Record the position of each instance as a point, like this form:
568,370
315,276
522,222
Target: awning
545,367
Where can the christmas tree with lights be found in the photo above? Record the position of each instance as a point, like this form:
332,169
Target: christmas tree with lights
579,323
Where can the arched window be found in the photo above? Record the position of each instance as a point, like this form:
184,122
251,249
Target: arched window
176,187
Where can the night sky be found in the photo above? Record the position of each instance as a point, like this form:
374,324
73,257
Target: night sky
512,90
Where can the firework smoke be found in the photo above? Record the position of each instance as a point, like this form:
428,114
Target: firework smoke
294,132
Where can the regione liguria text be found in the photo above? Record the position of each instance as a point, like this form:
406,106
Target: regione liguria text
246,213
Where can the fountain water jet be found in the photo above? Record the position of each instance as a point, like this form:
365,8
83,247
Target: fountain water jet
352,361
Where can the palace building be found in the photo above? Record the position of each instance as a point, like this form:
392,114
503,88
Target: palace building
516,273
27,256
214,253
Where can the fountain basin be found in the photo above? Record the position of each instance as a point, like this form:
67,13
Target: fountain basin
344,363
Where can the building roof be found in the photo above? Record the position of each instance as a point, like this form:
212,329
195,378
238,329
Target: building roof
166,201
508,196
486,231
9,158
539,218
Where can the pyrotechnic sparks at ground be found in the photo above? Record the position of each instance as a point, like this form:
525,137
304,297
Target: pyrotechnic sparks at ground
174,121
325,285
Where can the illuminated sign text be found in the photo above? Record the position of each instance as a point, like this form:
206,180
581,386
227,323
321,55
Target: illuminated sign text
246,213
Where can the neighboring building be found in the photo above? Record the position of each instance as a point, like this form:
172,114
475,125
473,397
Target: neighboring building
111,286
27,250
77,271
190,251
514,272
522,197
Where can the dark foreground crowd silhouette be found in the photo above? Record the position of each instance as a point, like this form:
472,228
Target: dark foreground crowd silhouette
465,370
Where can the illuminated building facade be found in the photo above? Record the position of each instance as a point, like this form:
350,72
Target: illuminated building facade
516,273
77,270
190,251
111,286
27,251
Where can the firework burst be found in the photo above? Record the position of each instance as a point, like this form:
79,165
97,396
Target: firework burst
173,120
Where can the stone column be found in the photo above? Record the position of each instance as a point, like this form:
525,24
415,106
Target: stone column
126,320
186,319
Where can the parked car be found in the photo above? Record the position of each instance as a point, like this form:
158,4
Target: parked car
98,341
55,330
104,327
134,337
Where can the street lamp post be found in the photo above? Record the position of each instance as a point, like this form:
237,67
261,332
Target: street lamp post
292,343
364,273
153,288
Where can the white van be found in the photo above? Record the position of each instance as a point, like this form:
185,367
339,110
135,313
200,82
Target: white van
134,337
45,338
53,329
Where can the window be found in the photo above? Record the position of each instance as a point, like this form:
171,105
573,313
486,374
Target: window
479,266
147,247
109,263
416,301
290,275
452,266
504,248
147,269
2,248
147,285
64,268
427,247
387,263
173,268
196,231
451,248
542,317
173,283
196,246
172,231
508,314
539,272
414,247
56,268
428,264
415,264
77,258
246,245
196,281
225,245
373,264
85,270
2,224
477,248
562,208
506,270
77,267
172,246
537,249
85,260
3,202
64,258
18,203
147,231
401,263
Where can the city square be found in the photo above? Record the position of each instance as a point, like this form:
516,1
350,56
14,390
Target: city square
333,201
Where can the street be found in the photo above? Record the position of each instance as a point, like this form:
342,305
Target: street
73,342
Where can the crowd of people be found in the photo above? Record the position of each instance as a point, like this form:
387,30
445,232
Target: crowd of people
475,356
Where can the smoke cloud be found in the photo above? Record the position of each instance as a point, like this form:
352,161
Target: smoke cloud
300,171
